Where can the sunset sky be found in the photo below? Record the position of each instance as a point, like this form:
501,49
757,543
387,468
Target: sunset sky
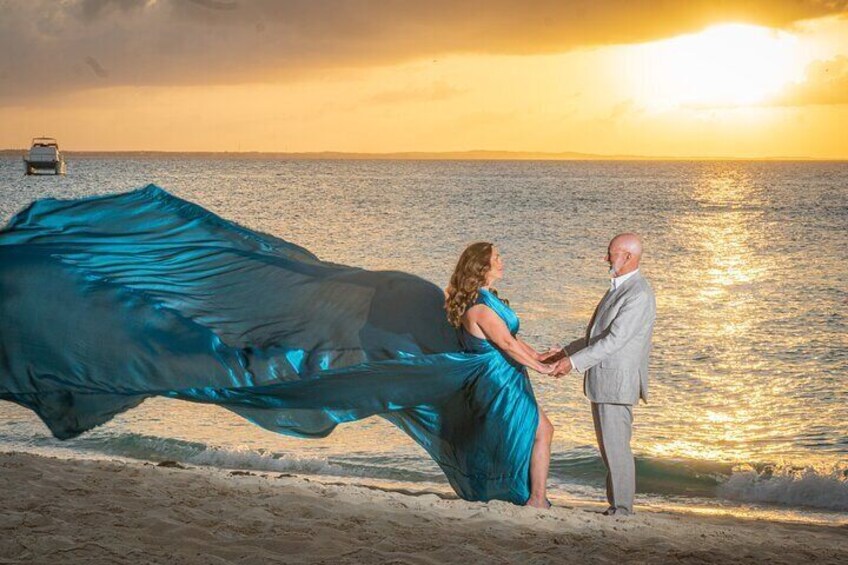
655,78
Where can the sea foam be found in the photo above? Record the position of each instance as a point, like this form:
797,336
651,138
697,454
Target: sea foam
789,486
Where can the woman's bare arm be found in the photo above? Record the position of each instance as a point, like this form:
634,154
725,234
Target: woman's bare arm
529,349
494,329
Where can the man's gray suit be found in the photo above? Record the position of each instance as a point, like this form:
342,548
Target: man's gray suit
614,359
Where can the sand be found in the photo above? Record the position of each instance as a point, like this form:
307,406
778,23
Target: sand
62,511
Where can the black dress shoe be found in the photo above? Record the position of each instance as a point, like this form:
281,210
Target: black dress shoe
616,512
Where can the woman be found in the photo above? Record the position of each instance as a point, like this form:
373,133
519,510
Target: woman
487,323
109,300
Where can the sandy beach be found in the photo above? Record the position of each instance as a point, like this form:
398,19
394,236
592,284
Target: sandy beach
65,511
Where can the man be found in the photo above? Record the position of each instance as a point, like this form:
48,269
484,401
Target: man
614,360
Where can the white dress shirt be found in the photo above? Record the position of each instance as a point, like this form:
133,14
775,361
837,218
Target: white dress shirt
616,282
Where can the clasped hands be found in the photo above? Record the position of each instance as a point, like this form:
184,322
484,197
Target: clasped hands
556,361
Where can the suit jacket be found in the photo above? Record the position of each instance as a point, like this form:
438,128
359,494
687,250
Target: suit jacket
614,354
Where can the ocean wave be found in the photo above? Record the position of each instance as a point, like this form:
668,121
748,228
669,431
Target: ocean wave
154,448
246,458
823,488
674,477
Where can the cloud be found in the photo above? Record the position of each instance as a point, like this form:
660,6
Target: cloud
216,4
92,9
46,47
826,83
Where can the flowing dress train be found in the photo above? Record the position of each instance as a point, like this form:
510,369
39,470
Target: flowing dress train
110,300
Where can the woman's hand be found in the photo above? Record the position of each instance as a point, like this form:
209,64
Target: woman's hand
546,369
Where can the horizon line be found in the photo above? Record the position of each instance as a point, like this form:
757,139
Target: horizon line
473,154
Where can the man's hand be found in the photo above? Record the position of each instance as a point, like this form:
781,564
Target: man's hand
562,367
551,355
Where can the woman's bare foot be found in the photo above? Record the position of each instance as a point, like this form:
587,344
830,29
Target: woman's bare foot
538,503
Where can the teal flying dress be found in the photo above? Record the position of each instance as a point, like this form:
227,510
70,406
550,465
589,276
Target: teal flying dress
109,300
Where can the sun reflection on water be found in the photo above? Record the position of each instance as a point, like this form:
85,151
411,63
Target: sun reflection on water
728,268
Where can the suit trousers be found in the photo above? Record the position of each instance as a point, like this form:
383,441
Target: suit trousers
613,428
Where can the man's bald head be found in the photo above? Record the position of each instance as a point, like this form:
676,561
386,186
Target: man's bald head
629,242
624,253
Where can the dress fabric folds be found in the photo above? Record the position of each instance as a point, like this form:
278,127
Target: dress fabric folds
110,300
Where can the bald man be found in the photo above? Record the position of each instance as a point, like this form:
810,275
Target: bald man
613,356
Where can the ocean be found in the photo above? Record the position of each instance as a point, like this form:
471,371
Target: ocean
748,413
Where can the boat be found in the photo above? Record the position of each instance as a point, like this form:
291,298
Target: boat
44,155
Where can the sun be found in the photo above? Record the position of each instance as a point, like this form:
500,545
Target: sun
725,65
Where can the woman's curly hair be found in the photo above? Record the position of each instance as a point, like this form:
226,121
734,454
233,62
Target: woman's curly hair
468,276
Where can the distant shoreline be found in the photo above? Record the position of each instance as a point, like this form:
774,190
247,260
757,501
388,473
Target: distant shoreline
477,155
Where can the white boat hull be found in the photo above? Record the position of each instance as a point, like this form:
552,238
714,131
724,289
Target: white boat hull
44,156
36,167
